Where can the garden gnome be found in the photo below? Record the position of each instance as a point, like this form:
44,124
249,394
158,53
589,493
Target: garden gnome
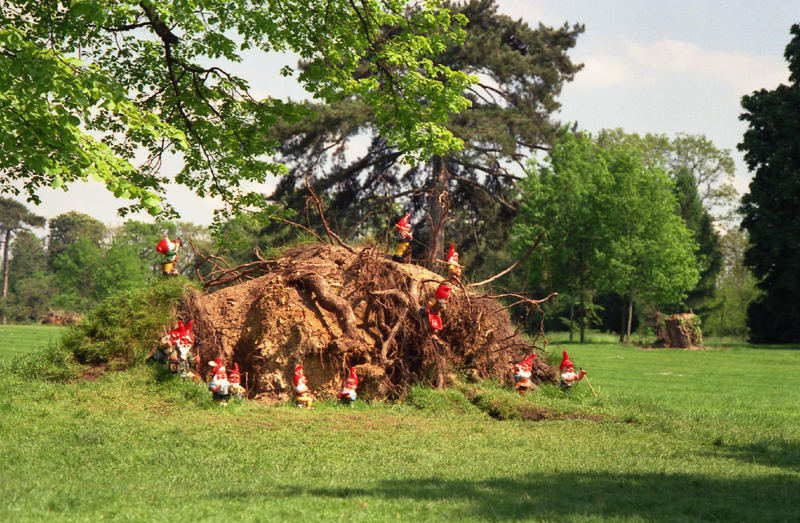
235,379
522,374
436,305
302,396
452,263
403,236
166,352
568,374
219,385
186,361
169,249
348,394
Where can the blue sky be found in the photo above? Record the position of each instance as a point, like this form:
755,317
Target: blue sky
660,67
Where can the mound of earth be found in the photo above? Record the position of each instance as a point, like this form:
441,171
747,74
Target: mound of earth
330,308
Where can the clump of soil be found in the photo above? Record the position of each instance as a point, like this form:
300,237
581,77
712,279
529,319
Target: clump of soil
330,308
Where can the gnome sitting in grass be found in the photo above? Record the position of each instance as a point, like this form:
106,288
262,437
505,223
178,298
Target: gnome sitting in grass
302,396
186,361
568,374
522,374
235,379
219,385
348,394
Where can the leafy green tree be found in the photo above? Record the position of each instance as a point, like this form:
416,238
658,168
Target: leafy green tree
736,289
561,198
703,176
65,229
771,147
650,252
147,76
14,217
30,283
520,71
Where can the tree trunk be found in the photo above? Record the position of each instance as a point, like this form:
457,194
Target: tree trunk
622,316
5,275
583,317
630,314
571,319
437,210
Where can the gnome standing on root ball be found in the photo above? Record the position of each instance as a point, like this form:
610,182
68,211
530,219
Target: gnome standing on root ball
169,249
302,396
436,306
348,394
219,385
568,374
403,236
452,264
522,374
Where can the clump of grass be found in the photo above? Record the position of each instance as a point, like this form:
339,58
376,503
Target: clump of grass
54,363
120,330
123,327
438,401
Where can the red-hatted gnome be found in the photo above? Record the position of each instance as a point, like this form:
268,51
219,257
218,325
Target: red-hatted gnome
166,352
235,380
348,394
302,396
169,249
522,374
403,236
219,384
436,306
452,263
183,351
568,374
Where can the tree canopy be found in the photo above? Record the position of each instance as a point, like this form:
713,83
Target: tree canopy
771,147
520,72
88,86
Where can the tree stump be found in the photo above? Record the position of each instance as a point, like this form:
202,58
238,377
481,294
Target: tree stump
683,331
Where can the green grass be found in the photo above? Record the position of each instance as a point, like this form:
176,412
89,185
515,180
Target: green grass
674,435
18,340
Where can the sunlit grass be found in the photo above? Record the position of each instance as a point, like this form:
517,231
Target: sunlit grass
673,435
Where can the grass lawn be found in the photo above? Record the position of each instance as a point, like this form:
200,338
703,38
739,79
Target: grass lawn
674,435
16,340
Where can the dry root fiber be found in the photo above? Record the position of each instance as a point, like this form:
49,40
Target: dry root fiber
331,307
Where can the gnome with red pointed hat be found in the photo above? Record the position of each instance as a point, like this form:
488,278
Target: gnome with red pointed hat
403,236
183,349
219,384
302,396
568,374
452,263
436,306
235,380
522,374
169,249
348,394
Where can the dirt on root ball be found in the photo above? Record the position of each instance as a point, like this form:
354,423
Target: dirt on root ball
330,308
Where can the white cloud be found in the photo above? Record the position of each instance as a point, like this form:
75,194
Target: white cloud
634,63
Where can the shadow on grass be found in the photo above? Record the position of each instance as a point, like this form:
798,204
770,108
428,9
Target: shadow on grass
784,454
594,495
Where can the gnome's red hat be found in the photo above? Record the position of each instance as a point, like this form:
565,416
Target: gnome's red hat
452,255
219,368
527,363
298,373
234,376
565,362
353,377
235,369
164,246
443,292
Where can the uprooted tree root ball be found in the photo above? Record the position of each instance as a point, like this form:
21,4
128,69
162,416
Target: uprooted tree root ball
330,308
